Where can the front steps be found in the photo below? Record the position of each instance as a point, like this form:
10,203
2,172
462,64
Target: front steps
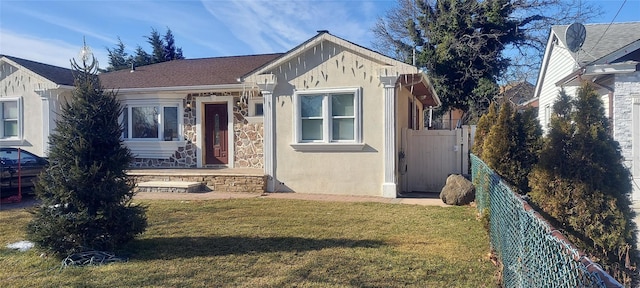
187,180
169,186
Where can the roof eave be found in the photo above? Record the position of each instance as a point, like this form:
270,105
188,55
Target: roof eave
195,88
591,72
431,92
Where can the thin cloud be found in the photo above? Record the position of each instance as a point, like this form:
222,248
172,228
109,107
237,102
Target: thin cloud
66,23
276,26
50,51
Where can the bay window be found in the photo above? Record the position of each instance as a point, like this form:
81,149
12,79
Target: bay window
157,122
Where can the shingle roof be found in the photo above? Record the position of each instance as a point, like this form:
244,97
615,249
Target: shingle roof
58,75
599,43
186,72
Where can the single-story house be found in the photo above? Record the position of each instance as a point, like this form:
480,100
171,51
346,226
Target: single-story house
30,98
609,57
324,117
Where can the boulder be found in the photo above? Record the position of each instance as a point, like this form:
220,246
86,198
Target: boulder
458,191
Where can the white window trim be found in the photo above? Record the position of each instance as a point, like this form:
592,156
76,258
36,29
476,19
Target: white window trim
326,144
18,140
155,148
215,99
253,118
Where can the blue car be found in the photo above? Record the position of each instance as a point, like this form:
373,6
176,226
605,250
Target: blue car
19,167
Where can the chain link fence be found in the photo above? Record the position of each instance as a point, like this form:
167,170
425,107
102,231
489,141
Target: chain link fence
532,252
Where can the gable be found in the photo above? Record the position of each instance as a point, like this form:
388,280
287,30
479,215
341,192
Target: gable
601,40
328,46
56,75
16,79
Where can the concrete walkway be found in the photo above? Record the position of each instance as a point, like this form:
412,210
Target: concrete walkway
29,201
298,196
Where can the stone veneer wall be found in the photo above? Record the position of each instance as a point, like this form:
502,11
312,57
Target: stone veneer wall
626,86
249,143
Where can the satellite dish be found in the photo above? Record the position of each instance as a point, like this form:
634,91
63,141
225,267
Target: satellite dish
574,36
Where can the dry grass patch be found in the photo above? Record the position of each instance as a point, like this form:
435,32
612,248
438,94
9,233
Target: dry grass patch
275,243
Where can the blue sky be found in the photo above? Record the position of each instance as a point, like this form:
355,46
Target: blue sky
52,31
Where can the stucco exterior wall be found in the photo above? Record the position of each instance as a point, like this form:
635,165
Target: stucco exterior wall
40,99
404,97
354,172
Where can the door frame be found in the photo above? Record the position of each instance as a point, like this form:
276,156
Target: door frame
214,99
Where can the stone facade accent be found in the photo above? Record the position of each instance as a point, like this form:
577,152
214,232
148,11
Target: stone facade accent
249,143
185,157
248,139
626,87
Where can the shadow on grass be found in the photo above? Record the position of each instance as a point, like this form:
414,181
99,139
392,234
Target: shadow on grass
187,247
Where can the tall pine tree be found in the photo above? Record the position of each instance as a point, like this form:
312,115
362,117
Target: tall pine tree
484,126
85,192
581,182
512,145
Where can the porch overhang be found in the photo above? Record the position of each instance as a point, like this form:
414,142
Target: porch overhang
594,72
420,86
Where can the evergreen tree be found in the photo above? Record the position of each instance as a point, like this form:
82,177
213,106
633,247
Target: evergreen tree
157,47
533,19
527,145
512,146
85,193
118,57
482,129
460,44
141,57
498,143
581,182
170,50
163,49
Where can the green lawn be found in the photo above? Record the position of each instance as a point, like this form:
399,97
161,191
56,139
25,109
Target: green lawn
275,243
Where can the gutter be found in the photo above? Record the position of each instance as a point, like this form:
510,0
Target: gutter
224,87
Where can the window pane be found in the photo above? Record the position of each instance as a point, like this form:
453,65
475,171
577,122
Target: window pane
343,129
259,107
145,122
10,110
342,105
311,106
125,123
10,128
311,129
170,123
216,130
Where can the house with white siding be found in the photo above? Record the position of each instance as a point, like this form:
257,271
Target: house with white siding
609,58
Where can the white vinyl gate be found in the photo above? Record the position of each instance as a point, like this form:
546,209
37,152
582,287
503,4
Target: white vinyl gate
430,156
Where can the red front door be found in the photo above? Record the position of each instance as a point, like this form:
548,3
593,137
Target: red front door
215,134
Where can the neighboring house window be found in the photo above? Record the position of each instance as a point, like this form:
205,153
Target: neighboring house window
151,122
11,117
547,115
328,116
